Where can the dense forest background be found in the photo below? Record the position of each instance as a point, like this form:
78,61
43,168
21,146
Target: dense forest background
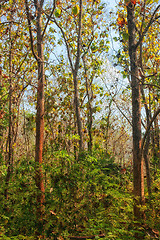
79,119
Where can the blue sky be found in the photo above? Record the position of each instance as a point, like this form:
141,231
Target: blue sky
111,3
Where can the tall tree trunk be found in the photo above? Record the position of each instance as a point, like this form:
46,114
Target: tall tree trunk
77,111
146,146
39,122
138,175
39,56
10,137
148,116
145,155
89,108
75,80
40,109
156,141
1,125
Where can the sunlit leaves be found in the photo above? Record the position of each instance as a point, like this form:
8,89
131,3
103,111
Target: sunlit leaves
58,12
121,21
75,10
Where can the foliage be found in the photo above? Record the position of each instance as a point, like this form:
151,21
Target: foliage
87,197
90,192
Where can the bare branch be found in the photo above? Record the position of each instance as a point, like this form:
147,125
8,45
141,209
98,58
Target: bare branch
65,39
49,18
86,51
30,29
18,70
124,115
113,99
151,85
148,128
41,3
152,20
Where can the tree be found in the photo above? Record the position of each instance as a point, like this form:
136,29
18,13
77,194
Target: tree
136,113
39,56
141,18
77,10
75,23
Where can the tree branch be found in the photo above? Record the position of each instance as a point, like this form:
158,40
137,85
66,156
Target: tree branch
148,128
49,17
41,3
79,37
65,39
152,20
30,29
152,85
18,70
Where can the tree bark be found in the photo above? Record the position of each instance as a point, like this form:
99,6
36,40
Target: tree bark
40,122
146,146
89,108
10,137
148,116
156,153
138,175
75,80
77,110
39,56
40,111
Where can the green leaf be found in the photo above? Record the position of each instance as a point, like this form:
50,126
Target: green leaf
75,10
125,36
58,12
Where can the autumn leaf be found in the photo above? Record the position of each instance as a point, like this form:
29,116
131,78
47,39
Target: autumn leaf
121,21
75,10
58,12
5,76
53,213
131,1
2,113
58,2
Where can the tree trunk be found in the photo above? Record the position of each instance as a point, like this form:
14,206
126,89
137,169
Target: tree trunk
77,111
1,125
146,146
89,108
145,155
148,116
156,142
138,175
39,123
39,56
75,80
10,137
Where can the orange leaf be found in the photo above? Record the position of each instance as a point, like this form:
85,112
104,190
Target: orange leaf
133,1
5,76
2,113
123,170
121,21
53,213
